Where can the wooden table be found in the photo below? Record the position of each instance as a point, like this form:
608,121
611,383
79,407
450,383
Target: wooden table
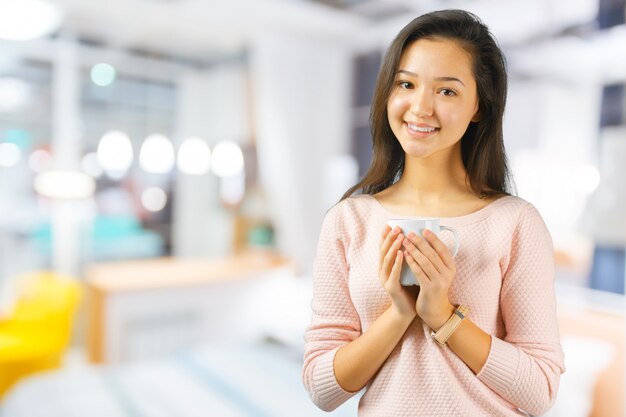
145,308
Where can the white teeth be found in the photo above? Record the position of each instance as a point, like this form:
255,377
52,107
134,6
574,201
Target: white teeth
421,129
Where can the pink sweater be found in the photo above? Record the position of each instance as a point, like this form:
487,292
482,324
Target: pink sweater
505,274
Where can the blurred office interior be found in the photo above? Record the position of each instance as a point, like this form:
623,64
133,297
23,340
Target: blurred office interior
165,166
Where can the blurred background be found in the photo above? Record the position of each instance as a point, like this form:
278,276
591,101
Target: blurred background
165,166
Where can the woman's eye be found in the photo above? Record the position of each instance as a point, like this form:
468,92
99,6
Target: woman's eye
447,92
405,84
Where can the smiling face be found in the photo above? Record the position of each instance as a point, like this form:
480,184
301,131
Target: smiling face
434,97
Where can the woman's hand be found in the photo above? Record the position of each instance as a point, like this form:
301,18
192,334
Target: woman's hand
434,268
390,267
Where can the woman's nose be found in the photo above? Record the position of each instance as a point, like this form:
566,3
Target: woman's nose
421,103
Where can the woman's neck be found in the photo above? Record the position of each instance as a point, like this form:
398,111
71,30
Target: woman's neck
433,181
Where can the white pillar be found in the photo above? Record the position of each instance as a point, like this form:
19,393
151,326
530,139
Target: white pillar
66,149
66,136
213,105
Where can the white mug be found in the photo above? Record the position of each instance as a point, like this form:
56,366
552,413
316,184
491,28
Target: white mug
417,226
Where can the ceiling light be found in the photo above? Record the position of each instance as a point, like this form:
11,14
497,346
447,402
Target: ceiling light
115,153
227,159
10,154
22,20
194,157
103,74
154,199
157,155
64,185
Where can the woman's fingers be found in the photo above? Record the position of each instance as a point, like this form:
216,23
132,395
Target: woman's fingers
386,240
420,276
424,263
424,254
441,248
389,258
394,275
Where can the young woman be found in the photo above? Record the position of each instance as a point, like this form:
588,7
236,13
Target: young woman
479,336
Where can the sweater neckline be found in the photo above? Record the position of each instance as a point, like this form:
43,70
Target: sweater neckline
462,220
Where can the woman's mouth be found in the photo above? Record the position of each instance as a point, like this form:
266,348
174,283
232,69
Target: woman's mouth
420,130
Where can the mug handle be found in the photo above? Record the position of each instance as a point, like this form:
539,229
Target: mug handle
456,239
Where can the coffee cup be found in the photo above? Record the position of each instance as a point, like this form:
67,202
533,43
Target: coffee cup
418,226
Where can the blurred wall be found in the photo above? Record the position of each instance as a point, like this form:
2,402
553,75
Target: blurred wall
551,137
301,110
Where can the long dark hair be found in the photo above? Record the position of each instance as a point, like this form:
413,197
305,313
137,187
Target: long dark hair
482,146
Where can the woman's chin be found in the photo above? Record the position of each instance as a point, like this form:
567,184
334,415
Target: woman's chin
416,152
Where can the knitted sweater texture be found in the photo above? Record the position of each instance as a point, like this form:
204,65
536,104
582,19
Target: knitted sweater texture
505,275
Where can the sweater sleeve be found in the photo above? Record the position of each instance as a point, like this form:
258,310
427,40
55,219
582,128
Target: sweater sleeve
334,320
526,366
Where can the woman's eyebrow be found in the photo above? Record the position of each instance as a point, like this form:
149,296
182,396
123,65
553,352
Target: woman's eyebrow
412,74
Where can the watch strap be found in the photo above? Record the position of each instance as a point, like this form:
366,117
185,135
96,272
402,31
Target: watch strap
443,334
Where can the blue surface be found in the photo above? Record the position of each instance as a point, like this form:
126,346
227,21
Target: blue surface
608,270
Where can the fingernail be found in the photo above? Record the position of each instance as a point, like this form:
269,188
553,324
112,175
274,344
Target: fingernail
411,235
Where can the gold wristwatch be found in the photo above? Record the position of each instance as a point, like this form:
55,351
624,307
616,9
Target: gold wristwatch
443,334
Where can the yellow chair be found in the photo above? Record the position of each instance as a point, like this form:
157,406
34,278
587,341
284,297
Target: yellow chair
36,335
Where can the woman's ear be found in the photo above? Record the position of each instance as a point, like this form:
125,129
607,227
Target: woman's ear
476,116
